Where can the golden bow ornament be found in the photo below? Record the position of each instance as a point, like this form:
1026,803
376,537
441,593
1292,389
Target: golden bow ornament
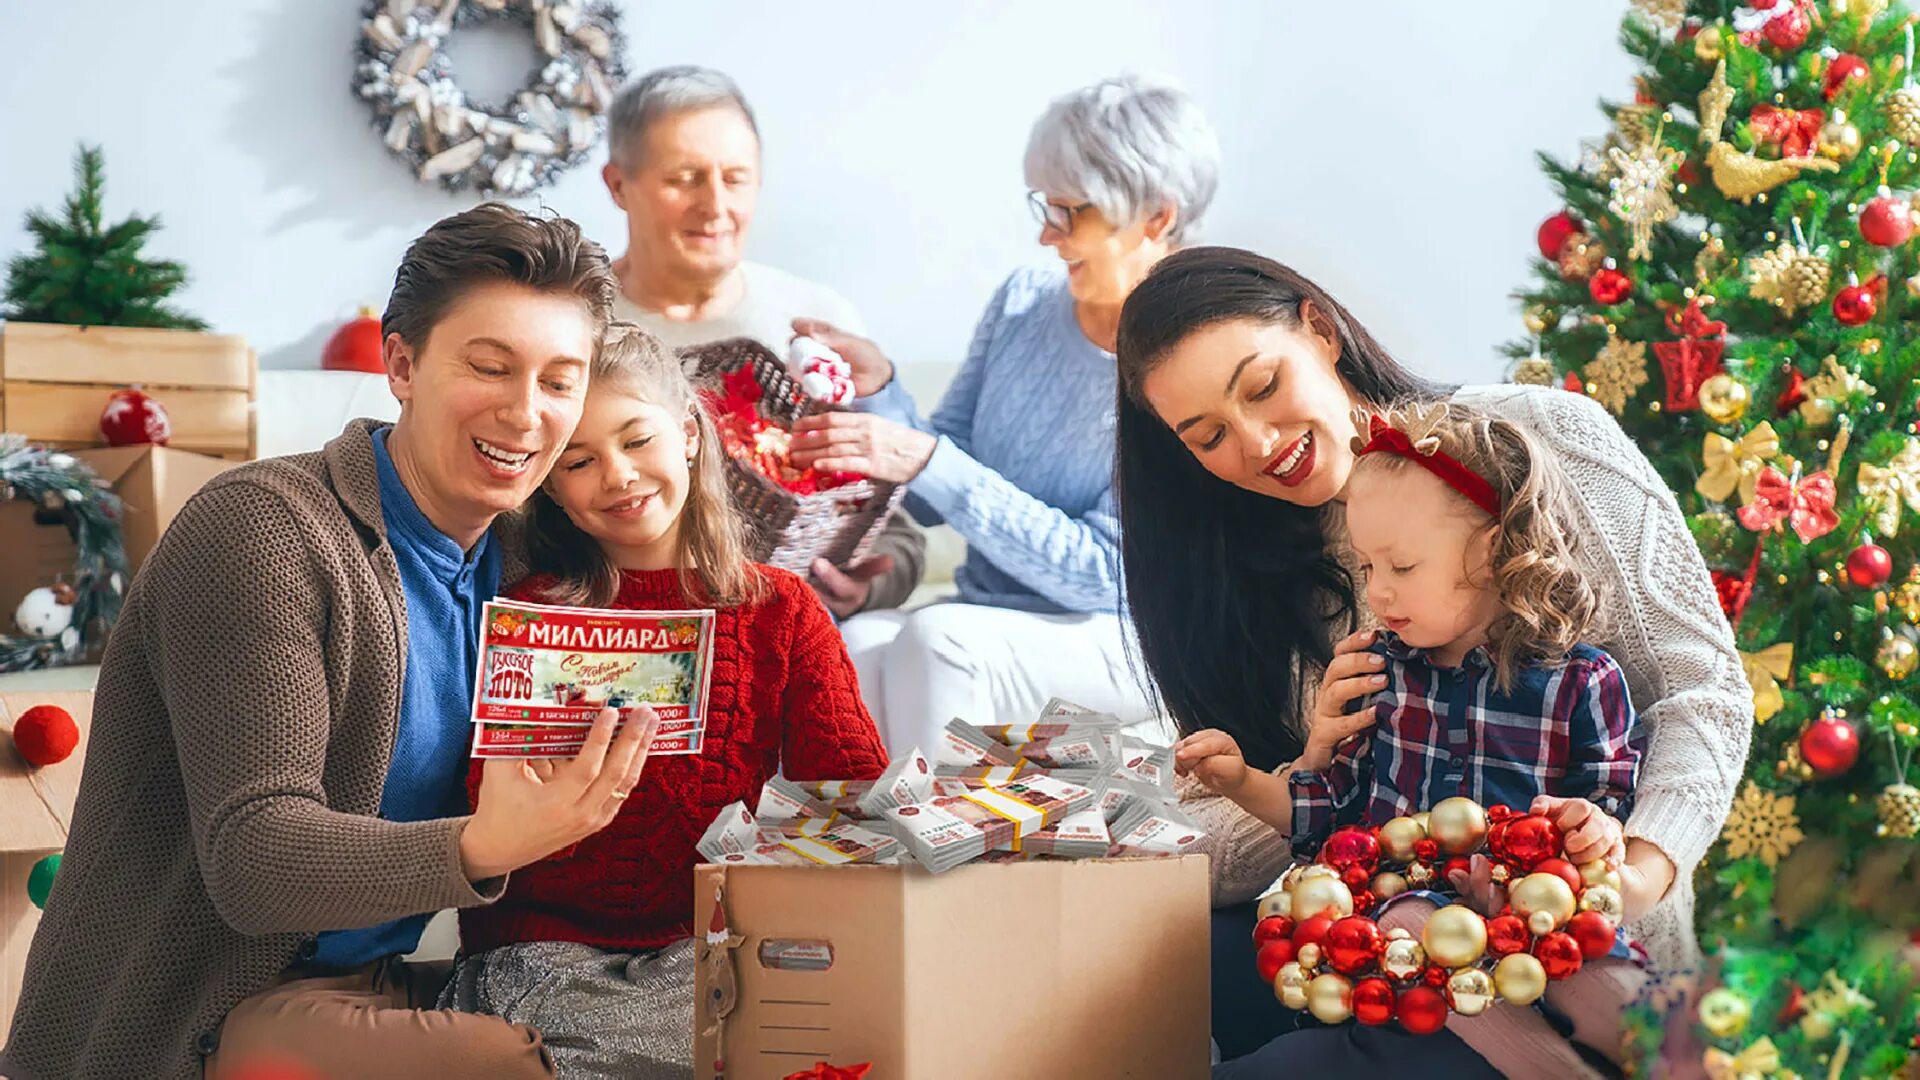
1764,671
1890,487
1758,1060
1736,465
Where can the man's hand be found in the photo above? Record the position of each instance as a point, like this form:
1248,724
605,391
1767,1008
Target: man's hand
845,590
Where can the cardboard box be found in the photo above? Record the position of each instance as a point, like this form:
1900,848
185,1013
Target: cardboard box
154,482
1094,968
36,810
55,380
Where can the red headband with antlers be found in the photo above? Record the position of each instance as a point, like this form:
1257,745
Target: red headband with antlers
1384,438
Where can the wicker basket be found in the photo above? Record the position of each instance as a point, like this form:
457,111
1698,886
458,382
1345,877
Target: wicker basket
790,530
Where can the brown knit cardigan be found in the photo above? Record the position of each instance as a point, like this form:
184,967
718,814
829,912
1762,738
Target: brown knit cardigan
228,809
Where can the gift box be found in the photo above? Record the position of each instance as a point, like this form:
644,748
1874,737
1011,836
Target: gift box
1084,968
797,516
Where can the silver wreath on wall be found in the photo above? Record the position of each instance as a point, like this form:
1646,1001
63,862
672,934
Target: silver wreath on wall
507,148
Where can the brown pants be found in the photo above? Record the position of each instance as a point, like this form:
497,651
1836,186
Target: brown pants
371,1023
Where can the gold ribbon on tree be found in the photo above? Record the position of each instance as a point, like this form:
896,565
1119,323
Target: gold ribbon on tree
1736,465
1764,671
1890,487
1761,1059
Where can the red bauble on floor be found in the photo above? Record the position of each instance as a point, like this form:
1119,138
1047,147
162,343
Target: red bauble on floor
45,735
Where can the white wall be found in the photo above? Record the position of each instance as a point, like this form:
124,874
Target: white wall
1385,149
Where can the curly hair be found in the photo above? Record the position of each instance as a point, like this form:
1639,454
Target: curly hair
1549,605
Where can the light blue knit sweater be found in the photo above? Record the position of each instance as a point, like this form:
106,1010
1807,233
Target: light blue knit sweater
1024,467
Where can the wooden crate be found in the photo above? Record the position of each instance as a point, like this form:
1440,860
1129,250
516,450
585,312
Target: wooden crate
54,382
36,807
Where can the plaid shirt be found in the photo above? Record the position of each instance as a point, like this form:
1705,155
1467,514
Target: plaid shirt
1567,731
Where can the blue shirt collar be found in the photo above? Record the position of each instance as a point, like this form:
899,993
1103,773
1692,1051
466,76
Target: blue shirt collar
409,528
1476,659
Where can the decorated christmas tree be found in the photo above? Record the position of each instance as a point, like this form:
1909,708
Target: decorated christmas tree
90,274
1735,277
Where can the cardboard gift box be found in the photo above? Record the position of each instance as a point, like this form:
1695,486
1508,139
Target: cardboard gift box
153,482
1038,969
36,810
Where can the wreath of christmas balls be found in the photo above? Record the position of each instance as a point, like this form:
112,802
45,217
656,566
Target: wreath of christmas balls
508,148
1321,948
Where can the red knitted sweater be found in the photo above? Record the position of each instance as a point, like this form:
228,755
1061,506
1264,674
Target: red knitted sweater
782,692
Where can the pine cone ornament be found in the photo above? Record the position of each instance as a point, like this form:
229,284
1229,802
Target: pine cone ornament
1903,114
1899,806
1788,277
1809,275
1533,371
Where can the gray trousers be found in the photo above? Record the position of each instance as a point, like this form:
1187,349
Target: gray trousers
603,1015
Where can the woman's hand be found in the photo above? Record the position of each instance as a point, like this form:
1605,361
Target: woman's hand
1213,758
1353,673
872,371
1587,832
860,443
1477,888
529,808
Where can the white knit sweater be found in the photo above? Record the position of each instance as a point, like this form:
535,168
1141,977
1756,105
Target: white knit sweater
1663,625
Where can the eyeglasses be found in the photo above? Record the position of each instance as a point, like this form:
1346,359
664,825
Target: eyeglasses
1053,214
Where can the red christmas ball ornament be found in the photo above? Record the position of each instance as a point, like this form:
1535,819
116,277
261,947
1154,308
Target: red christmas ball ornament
1528,840
1609,286
1869,566
1352,847
1830,745
1352,944
1593,932
1845,67
1886,221
1507,934
1789,29
1555,232
1564,870
1559,953
1272,928
1364,901
1311,931
1355,877
1273,956
1435,976
1422,1010
131,418
1426,849
1855,304
356,346
1500,812
1373,1001
45,735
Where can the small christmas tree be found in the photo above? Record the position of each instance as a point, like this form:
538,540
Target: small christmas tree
1736,278
89,275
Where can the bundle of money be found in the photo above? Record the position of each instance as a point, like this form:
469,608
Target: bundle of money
908,780
732,831
1143,761
1081,835
952,829
1149,827
805,842
1091,742
963,745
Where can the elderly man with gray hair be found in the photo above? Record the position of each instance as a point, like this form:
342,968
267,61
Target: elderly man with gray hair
685,166
1018,457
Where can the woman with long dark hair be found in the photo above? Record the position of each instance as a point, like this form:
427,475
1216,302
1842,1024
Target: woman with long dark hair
1238,377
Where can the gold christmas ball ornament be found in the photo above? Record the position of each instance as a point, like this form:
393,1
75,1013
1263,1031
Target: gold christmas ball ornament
1606,900
1519,978
1598,872
1330,998
1459,824
1455,935
1387,883
1419,874
1839,140
1903,114
1724,1013
1314,870
1308,957
1899,806
1290,986
1724,398
1403,958
1542,894
1424,820
1276,903
1897,656
1321,896
1470,991
1398,836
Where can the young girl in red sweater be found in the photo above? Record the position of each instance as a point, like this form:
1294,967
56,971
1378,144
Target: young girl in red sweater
592,945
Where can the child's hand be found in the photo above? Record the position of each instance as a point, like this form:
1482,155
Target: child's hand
1353,674
1213,758
1589,832
1477,888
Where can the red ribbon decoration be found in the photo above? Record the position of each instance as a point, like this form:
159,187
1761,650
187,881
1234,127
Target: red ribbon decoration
1793,131
1805,504
1735,589
1694,359
1384,438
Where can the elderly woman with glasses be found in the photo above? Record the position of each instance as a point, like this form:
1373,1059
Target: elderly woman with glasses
1018,457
